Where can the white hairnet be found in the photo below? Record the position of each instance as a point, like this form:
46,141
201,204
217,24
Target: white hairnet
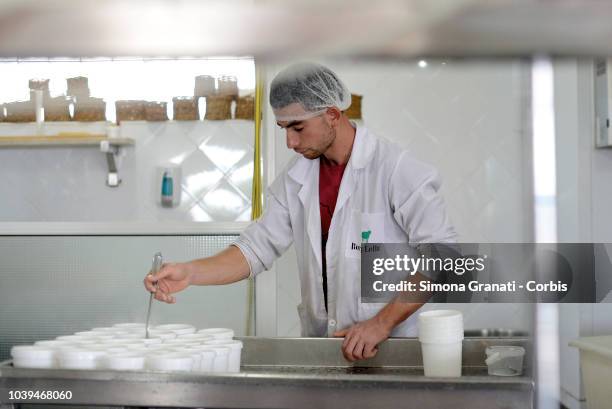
305,90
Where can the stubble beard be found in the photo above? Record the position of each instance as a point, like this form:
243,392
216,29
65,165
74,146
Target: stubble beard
330,137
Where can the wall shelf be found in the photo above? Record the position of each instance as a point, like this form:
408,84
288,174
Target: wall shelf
62,139
111,147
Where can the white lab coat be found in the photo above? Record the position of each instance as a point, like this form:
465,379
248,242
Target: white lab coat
384,190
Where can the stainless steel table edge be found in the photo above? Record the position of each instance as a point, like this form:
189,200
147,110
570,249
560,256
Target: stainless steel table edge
256,387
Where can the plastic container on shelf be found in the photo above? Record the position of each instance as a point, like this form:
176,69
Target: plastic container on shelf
77,87
130,110
20,111
505,360
204,86
57,109
89,109
156,111
186,108
245,108
227,86
218,107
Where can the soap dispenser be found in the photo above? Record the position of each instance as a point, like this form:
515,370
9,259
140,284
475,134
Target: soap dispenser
168,185
167,189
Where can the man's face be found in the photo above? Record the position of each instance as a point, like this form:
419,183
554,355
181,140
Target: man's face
311,137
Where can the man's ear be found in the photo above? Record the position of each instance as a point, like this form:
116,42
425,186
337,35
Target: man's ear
334,115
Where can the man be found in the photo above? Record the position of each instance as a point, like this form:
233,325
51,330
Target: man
345,187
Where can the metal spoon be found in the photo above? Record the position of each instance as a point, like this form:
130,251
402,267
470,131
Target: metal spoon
157,263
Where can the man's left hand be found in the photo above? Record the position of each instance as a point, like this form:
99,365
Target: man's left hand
361,340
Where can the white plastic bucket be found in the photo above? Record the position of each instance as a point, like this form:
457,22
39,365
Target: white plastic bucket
441,337
174,362
30,356
195,356
442,325
235,347
127,361
442,360
79,358
207,354
221,361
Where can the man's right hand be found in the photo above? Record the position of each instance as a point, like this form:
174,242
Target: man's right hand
171,278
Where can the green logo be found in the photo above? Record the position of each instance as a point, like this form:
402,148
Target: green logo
365,235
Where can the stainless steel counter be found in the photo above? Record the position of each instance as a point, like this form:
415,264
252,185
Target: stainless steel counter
294,373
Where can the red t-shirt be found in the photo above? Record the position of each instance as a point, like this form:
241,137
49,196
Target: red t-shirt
330,176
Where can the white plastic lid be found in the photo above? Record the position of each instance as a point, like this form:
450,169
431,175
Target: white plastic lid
174,327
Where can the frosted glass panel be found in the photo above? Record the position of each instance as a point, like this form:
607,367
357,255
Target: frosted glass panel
51,286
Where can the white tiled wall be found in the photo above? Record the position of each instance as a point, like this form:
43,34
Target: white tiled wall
68,184
467,119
